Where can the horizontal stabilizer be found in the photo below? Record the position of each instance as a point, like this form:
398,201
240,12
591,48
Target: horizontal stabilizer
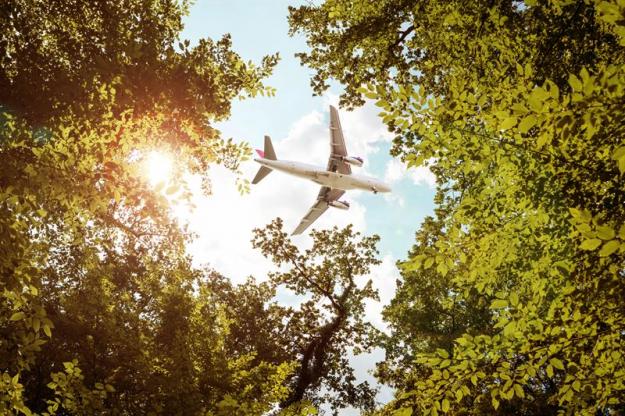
262,172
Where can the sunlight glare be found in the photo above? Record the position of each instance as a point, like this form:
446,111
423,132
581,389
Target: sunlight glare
159,167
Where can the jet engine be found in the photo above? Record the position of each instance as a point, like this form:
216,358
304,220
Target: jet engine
339,204
353,160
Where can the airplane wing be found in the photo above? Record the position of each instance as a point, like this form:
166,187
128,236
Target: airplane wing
337,145
325,195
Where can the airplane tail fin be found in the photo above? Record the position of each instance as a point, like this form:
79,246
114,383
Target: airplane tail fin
268,153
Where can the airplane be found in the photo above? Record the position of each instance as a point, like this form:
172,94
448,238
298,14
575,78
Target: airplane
334,180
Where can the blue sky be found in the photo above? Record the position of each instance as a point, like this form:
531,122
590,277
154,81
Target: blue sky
298,123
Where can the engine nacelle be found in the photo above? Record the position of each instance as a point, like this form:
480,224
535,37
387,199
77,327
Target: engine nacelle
353,160
339,204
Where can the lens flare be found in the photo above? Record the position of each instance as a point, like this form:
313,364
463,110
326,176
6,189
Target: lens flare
159,167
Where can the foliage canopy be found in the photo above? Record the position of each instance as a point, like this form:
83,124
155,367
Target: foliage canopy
518,108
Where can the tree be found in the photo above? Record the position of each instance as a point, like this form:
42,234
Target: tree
329,321
58,56
425,314
89,251
517,107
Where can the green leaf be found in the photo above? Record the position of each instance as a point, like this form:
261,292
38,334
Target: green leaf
46,330
605,233
591,244
618,153
381,103
499,303
527,123
17,316
609,248
556,363
575,83
404,411
445,405
495,403
509,329
508,123
542,139
428,262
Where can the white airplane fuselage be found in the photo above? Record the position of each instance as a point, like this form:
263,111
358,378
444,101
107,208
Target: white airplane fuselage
323,177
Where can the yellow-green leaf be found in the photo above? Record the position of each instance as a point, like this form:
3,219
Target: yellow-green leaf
495,403
575,83
404,411
609,248
17,316
509,329
514,299
508,123
618,153
605,233
590,244
499,303
445,405
527,123
556,363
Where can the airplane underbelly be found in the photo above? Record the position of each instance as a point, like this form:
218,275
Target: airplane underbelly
335,180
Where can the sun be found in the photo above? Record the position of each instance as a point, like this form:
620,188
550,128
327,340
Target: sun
159,167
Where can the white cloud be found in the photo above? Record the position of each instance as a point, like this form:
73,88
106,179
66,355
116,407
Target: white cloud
396,171
395,199
383,277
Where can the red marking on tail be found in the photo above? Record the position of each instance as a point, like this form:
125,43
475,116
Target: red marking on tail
260,153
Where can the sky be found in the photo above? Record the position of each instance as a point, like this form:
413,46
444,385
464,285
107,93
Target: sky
297,121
